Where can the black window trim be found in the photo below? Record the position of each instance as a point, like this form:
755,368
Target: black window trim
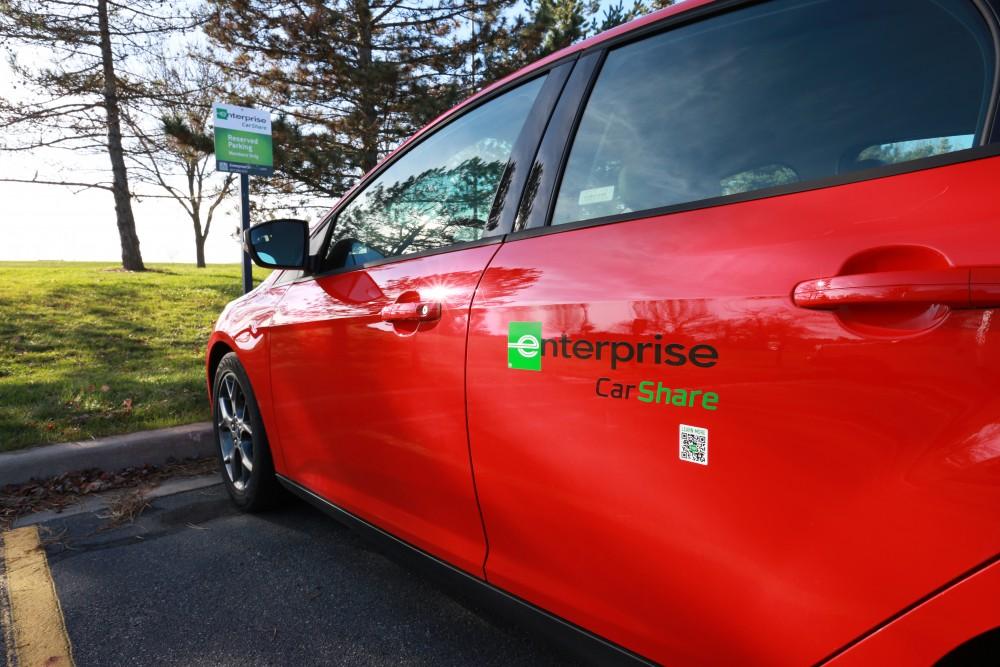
990,9
988,143
494,236
505,210
552,149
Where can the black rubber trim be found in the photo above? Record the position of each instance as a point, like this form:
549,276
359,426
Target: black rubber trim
986,10
933,162
398,259
585,645
989,10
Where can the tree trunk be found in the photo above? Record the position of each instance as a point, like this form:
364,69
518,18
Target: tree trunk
131,257
369,112
199,244
199,239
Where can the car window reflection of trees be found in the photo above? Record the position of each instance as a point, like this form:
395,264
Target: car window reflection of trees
434,208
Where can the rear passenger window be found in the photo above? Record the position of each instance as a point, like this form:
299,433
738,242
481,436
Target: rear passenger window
780,92
438,193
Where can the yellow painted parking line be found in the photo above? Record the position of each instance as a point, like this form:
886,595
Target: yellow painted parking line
39,630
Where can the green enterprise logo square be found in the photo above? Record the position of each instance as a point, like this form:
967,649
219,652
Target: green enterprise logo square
524,346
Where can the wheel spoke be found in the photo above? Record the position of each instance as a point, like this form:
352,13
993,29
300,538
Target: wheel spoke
228,451
246,454
248,464
225,410
227,384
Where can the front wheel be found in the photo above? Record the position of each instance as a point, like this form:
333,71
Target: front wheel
243,453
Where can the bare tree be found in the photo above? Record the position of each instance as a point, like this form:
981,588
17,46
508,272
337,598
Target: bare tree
76,98
175,150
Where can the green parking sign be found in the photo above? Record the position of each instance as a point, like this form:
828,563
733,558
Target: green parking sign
243,140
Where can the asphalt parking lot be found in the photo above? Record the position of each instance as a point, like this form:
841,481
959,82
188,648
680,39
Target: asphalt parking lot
193,582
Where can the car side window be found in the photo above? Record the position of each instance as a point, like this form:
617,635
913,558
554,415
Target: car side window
776,93
440,192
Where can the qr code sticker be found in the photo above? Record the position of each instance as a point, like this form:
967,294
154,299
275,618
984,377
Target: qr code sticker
694,444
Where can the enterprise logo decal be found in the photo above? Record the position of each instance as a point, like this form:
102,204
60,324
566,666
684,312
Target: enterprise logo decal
524,346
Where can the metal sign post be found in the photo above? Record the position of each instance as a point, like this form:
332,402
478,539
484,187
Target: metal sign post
243,146
244,226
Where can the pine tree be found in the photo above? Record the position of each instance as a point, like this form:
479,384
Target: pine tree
349,79
547,26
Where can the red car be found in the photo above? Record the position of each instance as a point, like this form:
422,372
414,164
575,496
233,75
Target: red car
679,340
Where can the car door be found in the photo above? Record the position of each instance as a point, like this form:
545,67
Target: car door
732,399
367,356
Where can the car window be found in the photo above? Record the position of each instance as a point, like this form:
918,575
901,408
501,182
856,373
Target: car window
773,94
441,191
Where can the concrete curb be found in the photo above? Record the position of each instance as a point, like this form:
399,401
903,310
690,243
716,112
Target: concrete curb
98,502
113,453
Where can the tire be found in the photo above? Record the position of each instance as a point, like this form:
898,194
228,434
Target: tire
244,455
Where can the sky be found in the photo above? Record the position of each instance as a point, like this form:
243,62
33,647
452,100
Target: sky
41,222
53,222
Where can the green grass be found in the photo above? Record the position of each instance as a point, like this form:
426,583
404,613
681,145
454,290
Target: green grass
87,350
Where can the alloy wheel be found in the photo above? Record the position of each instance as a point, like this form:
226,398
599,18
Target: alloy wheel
235,431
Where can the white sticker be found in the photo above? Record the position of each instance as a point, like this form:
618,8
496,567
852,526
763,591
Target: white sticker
694,444
597,195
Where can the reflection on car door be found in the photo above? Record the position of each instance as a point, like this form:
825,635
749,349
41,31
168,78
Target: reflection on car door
368,357
746,430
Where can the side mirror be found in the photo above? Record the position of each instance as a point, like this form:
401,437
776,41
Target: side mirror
278,244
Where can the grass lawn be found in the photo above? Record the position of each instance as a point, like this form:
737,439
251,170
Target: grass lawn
87,350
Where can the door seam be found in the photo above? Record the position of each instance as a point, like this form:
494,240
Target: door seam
465,397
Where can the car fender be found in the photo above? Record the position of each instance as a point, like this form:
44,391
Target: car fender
242,328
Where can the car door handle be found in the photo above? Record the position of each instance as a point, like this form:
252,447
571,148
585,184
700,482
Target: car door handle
413,311
950,286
